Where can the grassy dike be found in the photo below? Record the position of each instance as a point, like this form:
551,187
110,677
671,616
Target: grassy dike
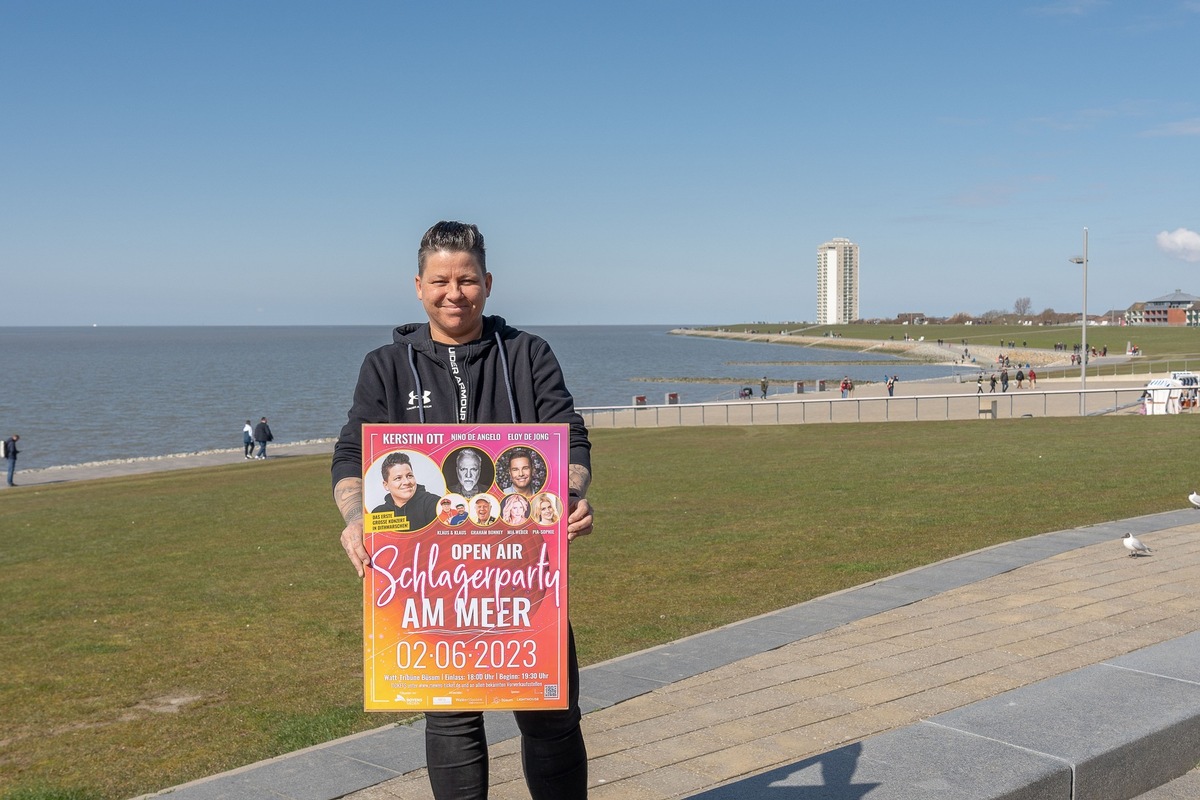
1156,340
158,629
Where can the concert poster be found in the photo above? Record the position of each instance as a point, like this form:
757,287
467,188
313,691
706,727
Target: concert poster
465,602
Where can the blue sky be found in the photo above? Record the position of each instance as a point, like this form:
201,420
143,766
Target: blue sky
661,161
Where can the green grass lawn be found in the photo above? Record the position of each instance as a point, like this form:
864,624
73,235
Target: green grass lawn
224,594
1155,341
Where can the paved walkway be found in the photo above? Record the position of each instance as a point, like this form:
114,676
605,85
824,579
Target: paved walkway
149,464
1052,667
929,401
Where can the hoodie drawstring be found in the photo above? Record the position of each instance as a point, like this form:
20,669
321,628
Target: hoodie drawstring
512,403
412,365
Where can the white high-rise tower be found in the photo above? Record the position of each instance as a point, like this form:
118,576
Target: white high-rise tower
837,282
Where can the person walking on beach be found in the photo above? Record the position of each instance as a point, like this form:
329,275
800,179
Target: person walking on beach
512,376
262,435
248,439
10,456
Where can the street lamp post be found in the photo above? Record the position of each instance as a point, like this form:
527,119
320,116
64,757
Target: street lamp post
1083,360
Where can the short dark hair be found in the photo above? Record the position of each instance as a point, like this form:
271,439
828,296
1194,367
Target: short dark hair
394,460
457,237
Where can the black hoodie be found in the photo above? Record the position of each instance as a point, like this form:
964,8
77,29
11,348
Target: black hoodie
506,375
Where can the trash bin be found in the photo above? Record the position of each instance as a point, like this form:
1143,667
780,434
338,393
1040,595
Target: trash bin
639,399
672,398
799,387
820,386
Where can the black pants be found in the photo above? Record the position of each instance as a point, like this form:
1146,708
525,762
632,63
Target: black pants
552,750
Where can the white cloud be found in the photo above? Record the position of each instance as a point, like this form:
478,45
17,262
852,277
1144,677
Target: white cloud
1181,243
1069,7
991,195
1186,127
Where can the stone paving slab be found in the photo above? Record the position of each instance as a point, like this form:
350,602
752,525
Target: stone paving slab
703,713
950,766
1186,787
1123,732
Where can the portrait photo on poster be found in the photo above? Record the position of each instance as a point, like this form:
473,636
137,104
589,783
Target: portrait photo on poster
485,510
407,485
521,470
546,509
514,510
468,471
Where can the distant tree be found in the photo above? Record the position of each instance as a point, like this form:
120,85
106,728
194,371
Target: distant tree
961,318
1048,316
995,315
1022,306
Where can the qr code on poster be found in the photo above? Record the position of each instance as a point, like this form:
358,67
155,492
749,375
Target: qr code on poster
550,691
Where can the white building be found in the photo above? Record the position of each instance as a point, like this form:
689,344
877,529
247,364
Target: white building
837,282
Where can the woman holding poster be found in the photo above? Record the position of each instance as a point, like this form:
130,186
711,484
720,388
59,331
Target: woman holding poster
461,367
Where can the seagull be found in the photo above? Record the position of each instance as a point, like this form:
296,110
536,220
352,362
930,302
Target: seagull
1134,545
1194,499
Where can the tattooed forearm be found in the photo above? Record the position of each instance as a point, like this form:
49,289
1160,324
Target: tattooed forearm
348,496
579,478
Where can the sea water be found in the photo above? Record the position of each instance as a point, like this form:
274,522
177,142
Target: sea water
79,395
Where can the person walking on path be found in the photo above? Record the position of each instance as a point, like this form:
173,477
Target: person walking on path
512,376
979,383
248,439
262,435
763,386
10,456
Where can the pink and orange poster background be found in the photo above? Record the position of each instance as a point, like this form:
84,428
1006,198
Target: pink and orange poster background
466,614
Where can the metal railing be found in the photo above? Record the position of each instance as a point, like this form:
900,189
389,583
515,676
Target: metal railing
807,409
1132,367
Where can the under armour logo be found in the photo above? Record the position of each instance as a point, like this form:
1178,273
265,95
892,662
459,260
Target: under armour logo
425,401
